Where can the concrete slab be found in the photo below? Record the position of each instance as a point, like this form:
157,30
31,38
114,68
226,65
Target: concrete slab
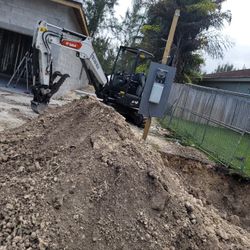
15,108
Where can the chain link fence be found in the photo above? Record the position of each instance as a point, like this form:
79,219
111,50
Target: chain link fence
217,121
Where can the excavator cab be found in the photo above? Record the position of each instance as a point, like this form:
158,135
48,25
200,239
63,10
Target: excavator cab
127,82
130,64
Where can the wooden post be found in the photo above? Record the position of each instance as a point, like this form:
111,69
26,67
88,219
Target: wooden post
164,61
146,128
171,37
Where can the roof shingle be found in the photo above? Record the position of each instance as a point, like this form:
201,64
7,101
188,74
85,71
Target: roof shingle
244,73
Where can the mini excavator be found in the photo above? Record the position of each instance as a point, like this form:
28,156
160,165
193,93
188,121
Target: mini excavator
124,88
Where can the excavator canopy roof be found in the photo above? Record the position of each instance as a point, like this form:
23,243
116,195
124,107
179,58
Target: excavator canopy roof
137,51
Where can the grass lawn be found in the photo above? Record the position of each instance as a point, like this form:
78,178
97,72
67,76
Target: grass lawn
224,144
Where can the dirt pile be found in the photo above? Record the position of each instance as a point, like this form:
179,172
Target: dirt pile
77,178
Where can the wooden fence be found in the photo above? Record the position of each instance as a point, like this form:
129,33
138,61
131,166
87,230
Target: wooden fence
220,106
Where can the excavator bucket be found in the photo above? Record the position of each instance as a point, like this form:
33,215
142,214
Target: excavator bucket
38,108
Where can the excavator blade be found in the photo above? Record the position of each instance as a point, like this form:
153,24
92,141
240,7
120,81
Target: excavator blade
38,108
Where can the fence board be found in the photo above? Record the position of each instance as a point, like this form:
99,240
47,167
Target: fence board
229,108
215,120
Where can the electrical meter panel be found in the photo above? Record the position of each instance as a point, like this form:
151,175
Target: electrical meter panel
158,86
157,89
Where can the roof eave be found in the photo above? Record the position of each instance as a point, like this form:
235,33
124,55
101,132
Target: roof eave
231,79
77,6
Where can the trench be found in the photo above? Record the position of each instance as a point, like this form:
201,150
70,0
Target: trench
215,187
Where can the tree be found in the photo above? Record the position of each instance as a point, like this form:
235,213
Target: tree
225,68
100,15
128,31
105,53
197,30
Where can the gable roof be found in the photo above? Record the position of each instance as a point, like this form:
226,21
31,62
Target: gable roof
244,73
78,9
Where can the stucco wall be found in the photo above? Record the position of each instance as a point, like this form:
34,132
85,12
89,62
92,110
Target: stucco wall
22,15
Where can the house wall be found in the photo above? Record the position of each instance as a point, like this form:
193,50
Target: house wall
240,87
22,15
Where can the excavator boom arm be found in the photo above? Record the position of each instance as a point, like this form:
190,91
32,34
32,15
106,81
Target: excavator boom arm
45,82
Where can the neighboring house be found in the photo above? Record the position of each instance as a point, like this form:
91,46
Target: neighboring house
236,81
17,21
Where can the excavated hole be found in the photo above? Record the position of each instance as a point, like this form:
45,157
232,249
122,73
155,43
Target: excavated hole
228,194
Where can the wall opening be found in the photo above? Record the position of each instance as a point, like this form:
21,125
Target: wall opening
13,47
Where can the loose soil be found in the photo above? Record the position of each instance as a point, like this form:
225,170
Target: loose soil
78,178
214,185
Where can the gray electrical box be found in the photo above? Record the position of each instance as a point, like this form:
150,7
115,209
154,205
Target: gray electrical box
157,89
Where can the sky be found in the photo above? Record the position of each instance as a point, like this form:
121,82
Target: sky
122,7
238,32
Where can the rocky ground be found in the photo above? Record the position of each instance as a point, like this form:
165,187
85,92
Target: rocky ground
79,178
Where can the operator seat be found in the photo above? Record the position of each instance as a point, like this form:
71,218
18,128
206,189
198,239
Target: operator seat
140,79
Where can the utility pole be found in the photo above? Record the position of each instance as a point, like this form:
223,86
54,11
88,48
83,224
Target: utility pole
164,61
